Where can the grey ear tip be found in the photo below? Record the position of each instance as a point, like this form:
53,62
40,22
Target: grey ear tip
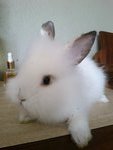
93,33
48,26
48,23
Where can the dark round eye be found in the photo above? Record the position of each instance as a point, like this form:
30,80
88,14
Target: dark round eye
46,80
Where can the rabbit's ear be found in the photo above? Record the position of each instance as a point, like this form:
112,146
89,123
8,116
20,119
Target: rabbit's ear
80,48
48,29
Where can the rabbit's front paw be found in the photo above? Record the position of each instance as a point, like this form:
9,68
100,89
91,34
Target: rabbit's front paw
82,137
26,119
80,133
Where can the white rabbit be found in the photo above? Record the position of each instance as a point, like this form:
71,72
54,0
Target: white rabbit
56,84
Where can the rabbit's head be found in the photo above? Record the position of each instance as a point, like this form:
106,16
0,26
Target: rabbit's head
48,68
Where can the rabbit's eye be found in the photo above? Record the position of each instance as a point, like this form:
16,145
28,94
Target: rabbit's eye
46,80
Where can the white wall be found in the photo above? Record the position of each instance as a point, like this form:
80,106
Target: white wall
20,20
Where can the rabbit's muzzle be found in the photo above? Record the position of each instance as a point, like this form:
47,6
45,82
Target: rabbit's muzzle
20,97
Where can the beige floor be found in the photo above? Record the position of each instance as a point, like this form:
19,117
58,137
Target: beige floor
12,132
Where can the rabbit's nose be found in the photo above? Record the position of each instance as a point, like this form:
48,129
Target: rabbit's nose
20,97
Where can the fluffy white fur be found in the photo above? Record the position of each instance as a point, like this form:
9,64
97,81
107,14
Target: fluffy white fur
70,96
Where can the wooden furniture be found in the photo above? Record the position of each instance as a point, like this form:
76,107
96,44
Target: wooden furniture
102,140
105,54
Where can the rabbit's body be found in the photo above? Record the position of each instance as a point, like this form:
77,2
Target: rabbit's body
52,88
77,92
